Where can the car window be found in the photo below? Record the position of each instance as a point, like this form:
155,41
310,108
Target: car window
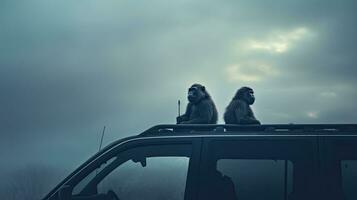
341,165
80,186
349,178
161,178
258,178
143,172
260,169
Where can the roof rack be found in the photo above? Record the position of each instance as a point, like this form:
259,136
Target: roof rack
223,128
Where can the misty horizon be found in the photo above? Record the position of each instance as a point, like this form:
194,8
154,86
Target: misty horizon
68,68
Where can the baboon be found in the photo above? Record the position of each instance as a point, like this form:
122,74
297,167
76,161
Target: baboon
238,111
200,109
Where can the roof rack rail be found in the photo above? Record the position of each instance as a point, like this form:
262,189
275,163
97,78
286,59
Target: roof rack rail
221,128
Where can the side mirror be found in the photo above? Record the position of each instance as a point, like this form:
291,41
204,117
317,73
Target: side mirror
142,161
65,192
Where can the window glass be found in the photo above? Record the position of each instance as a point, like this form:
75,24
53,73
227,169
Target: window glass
255,179
161,178
141,172
79,187
349,178
261,169
342,167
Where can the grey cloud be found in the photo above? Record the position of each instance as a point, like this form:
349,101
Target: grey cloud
69,67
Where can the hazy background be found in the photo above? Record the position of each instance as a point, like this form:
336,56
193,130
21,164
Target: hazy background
69,67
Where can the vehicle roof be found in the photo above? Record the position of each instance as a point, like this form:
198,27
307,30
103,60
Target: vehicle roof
266,129
216,130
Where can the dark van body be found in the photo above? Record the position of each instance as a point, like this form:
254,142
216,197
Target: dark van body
200,162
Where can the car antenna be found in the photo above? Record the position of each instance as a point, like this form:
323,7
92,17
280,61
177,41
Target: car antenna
101,140
179,105
100,146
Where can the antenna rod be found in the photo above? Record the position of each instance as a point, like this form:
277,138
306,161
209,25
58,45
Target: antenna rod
101,140
179,105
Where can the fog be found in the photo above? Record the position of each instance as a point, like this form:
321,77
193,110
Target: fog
68,68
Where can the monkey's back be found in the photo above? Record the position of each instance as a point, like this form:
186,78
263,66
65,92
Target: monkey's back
205,104
229,115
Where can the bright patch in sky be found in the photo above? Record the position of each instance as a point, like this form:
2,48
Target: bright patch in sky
328,94
312,114
250,72
279,42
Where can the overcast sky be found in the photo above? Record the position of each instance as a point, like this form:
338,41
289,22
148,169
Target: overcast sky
67,68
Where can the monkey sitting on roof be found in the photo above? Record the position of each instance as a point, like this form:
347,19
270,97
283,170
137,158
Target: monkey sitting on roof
238,111
200,109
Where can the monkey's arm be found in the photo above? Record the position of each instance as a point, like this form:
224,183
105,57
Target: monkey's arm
204,115
243,114
184,117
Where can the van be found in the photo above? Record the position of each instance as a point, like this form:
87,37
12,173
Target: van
232,162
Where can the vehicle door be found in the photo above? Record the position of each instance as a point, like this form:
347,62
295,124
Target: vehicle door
143,168
339,166
259,167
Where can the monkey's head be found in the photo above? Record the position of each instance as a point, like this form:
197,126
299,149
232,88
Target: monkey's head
246,94
196,93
